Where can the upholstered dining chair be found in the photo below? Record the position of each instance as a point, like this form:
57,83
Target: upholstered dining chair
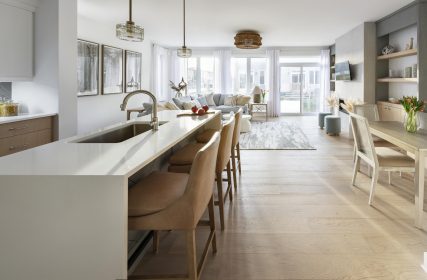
177,201
379,158
182,160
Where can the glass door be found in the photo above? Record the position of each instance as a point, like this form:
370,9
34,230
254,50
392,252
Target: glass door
300,89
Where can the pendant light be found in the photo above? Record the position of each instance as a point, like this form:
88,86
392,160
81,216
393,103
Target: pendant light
184,52
129,31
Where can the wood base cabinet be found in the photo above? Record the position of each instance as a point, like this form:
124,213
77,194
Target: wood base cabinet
23,135
391,112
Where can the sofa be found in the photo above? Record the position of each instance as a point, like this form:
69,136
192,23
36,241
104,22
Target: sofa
226,103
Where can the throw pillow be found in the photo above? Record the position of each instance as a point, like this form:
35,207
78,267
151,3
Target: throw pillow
202,101
171,106
210,100
191,104
179,101
243,100
230,100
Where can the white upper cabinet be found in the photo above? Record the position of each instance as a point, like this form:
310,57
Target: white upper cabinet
16,43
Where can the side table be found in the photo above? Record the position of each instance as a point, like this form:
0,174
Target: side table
259,108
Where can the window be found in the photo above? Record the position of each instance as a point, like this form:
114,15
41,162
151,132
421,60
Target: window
247,73
200,73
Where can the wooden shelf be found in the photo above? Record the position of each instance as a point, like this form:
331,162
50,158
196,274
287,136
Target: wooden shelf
398,80
333,67
398,54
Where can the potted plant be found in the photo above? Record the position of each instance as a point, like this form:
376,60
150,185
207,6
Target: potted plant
412,106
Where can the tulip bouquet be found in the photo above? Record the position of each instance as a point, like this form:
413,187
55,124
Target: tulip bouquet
412,105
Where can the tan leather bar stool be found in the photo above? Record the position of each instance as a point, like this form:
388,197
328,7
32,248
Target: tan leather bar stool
177,201
183,159
235,148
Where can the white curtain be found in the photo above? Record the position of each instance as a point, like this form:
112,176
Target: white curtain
223,71
273,73
325,85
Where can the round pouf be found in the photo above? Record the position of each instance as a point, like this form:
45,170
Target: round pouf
322,119
333,125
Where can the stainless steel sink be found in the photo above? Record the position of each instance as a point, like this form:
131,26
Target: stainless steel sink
121,134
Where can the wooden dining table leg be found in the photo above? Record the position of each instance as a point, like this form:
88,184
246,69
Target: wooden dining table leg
419,188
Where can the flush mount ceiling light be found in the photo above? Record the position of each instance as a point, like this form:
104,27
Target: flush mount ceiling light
184,52
129,31
248,40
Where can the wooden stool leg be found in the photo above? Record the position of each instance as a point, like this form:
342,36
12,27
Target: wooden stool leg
212,223
220,199
230,186
191,255
238,158
155,241
233,161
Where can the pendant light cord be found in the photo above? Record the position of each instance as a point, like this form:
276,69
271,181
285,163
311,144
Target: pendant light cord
184,22
130,10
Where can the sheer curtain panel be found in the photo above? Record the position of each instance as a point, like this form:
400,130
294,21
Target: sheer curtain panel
223,71
273,72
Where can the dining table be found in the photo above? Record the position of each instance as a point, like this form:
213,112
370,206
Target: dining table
413,143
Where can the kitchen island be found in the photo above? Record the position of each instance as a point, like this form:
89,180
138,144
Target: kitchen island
63,206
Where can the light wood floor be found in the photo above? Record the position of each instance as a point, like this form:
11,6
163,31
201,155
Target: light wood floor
296,216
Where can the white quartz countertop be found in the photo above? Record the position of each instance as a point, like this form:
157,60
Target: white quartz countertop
24,117
68,158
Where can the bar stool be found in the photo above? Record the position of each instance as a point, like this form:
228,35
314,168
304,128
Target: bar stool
183,160
171,201
235,146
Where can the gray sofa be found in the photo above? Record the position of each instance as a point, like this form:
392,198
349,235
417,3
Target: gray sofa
219,103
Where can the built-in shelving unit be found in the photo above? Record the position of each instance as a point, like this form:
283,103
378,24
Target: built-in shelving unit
398,80
398,54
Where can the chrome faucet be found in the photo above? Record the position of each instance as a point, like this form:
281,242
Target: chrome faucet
154,120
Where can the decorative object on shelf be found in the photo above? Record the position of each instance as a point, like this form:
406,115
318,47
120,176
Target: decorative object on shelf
332,103
181,86
394,100
129,31
87,68
256,93
133,77
407,72
415,71
184,52
393,73
8,108
112,70
412,106
248,40
389,49
410,45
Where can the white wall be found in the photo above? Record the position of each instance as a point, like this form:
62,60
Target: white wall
95,112
399,39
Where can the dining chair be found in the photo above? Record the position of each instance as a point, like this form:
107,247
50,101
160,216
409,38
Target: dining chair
378,158
177,201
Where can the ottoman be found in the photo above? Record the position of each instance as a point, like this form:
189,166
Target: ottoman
245,126
322,119
333,125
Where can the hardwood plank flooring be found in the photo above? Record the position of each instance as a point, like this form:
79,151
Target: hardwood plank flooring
296,216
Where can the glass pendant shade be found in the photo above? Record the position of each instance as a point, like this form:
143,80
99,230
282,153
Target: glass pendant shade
184,52
129,32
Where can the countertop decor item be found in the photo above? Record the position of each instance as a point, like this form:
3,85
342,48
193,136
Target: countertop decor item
412,106
248,40
8,108
179,88
394,100
129,31
184,52
387,50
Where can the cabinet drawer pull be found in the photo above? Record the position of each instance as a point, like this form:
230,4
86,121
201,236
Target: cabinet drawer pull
12,148
18,128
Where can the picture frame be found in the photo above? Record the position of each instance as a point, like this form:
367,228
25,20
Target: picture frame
133,71
112,70
87,68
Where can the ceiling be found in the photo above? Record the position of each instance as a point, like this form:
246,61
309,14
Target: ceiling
215,22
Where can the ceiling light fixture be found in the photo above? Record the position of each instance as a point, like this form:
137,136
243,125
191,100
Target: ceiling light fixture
129,31
248,40
184,52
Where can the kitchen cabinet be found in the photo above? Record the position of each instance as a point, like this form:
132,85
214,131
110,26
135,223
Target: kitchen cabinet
16,44
391,112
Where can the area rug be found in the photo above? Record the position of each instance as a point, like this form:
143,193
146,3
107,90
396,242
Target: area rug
279,135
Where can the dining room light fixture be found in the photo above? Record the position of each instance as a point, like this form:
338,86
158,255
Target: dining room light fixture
184,52
248,40
129,31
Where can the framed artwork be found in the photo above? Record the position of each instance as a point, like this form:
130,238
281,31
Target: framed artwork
87,68
112,70
133,62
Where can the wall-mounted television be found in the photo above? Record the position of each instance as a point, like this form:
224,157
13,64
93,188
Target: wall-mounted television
342,71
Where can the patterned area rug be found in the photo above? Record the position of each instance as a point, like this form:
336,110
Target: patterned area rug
279,135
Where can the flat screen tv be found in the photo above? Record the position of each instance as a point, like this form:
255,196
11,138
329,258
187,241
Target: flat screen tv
342,71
